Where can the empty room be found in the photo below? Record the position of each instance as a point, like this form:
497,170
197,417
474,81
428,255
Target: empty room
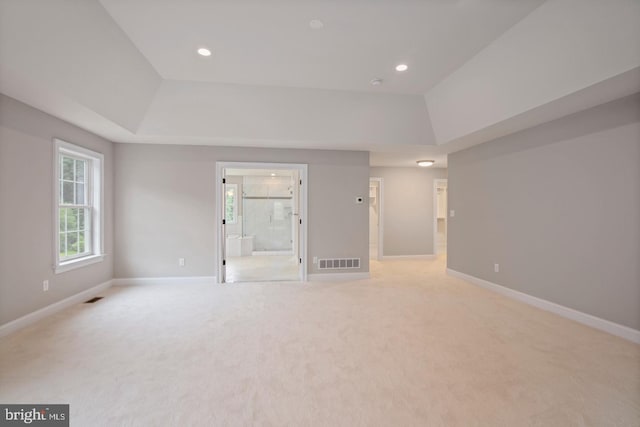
320,212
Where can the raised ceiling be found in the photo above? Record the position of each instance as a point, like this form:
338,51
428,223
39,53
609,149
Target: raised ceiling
478,69
260,42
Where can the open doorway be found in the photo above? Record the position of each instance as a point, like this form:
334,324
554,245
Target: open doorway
262,235
440,216
375,218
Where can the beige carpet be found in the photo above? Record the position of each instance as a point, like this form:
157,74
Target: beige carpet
410,347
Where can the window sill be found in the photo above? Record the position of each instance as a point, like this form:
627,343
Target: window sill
78,263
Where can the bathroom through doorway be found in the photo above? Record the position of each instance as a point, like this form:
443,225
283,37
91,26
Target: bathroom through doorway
261,227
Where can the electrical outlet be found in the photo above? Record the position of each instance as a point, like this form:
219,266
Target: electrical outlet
181,262
315,259
496,268
45,286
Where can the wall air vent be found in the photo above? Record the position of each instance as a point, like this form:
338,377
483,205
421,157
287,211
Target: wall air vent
338,263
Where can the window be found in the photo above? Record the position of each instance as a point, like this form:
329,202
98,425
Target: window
78,200
74,208
231,203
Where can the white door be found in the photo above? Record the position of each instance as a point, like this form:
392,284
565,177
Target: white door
222,199
375,218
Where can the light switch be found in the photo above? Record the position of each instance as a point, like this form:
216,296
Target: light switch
452,213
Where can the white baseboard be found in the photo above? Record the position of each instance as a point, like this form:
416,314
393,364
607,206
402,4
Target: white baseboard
390,257
31,318
164,280
621,331
336,277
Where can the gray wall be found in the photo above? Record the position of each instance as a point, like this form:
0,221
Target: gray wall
558,207
26,211
408,209
166,198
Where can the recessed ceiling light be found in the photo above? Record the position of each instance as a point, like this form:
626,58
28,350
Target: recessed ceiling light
273,174
204,51
402,67
425,163
376,82
316,24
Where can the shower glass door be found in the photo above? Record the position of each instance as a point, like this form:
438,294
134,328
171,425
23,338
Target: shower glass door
268,213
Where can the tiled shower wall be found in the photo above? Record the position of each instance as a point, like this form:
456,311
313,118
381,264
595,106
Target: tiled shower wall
267,206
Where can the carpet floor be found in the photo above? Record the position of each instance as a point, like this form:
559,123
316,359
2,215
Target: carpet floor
408,347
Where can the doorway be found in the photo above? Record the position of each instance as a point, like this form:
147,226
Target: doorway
440,216
376,224
262,234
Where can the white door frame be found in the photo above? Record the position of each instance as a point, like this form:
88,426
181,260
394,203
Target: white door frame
380,182
302,173
436,182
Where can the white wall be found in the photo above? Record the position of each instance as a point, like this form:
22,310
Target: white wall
293,117
561,48
408,209
166,205
26,215
47,64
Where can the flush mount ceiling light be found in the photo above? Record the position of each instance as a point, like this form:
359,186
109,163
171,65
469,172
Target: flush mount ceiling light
203,51
376,82
425,163
316,24
402,67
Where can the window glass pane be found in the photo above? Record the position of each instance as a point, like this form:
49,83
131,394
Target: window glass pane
67,168
86,224
72,219
81,242
62,218
80,168
67,193
73,232
80,194
62,245
230,204
72,243
81,216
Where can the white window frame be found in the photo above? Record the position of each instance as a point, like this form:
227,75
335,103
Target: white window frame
95,194
235,202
